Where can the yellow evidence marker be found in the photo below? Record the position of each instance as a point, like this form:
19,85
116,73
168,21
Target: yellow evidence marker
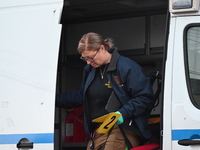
108,122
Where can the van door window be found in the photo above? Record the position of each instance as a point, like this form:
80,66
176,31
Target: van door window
193,56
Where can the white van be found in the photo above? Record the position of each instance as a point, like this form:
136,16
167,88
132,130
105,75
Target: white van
34,65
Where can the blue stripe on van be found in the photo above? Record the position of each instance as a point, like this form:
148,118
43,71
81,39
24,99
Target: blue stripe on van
185,134
35,138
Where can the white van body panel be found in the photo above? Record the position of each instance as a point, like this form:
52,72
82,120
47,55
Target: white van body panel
29,44
181,117
167,94
185,116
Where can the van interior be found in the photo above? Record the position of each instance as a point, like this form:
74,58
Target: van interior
138,30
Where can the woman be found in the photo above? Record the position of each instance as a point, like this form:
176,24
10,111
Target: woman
106,72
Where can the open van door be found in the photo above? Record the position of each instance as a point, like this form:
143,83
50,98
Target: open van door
181,123
185,85
29,45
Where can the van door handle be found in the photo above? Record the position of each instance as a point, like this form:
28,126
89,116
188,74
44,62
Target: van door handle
24,143
187,142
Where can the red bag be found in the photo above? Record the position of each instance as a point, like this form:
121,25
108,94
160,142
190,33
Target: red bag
74,126
150,146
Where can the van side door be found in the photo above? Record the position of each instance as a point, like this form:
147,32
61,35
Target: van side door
29,45
182,93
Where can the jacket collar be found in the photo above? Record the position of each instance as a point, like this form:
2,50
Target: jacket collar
114,59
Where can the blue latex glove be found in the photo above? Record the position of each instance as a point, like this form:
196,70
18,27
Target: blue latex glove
120,120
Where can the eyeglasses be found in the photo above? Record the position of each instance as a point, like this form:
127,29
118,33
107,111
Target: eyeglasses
90,59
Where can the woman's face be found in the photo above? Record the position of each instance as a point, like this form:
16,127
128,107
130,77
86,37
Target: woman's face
94,57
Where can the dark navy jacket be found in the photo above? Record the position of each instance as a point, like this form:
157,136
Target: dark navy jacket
131,86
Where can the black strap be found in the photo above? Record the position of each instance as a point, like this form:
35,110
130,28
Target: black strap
106,138
128,143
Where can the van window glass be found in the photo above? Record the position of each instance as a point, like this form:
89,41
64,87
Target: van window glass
193,56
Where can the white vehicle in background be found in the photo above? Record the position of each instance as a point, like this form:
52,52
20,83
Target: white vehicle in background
30,35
